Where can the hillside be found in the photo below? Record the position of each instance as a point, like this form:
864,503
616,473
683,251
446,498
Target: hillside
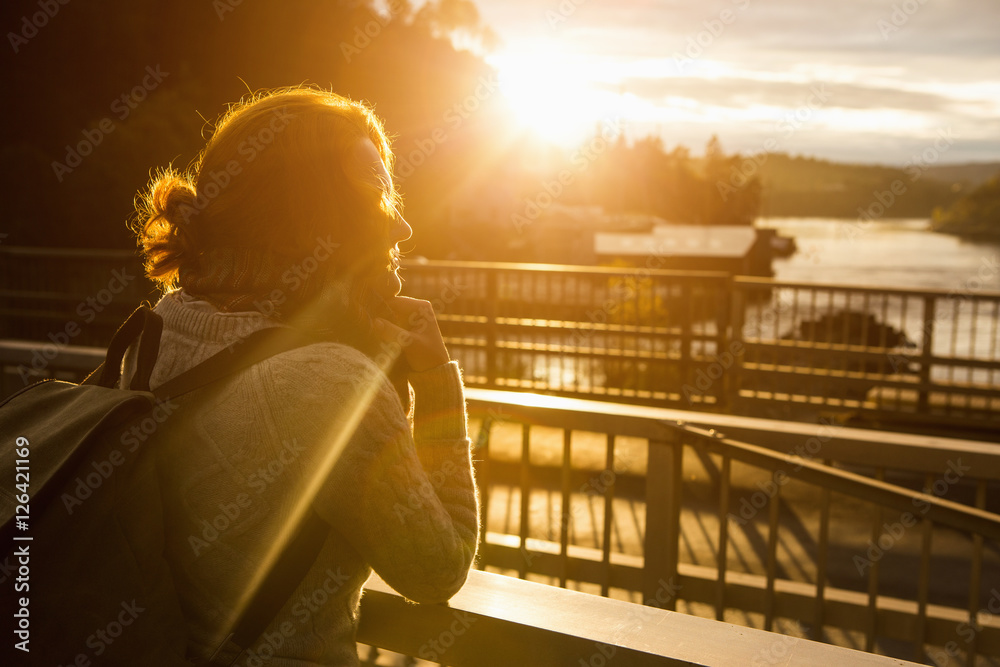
972,173
975,215
801,186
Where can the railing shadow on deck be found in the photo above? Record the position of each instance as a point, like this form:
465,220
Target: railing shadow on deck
856,532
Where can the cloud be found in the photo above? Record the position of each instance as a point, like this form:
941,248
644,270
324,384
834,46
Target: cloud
897,67
964,28
734,91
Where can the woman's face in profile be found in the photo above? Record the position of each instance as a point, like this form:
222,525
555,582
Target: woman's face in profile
400,230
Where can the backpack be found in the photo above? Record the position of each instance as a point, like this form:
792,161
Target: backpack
83,573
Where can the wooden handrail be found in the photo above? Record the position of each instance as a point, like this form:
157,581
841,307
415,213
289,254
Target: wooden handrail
503,621
577,269
933,508
762,283
95,254
856,446
680,326
874,614
779,440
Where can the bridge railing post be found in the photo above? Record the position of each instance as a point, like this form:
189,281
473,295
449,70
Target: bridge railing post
663,516
927,353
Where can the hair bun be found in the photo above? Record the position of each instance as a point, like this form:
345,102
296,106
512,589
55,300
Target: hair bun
180,204
166,225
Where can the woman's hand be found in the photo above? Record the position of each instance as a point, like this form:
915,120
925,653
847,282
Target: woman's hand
415,331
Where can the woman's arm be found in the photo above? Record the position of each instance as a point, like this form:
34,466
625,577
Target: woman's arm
405,499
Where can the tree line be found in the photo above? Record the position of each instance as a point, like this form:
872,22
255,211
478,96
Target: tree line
106,92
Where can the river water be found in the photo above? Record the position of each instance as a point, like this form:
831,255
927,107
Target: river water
905,254
886,253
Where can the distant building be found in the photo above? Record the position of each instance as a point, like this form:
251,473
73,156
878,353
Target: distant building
491,225
736,249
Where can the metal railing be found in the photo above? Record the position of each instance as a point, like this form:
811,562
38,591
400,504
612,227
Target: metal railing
917,359
860,560
656,505
923,356
503,621
576,330
63,294
25,362
710,341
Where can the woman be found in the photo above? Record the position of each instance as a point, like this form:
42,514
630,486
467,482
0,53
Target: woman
289,219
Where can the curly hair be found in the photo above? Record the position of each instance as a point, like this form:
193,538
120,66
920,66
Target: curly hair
280,171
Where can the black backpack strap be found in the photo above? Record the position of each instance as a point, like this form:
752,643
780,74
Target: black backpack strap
149,348
287,573
146,326
256,347
298,556
301,552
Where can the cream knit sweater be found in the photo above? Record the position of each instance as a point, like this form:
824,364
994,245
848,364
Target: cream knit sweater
400,497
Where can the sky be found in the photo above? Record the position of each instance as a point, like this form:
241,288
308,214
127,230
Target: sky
864,81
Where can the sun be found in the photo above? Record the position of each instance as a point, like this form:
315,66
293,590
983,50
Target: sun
554,95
